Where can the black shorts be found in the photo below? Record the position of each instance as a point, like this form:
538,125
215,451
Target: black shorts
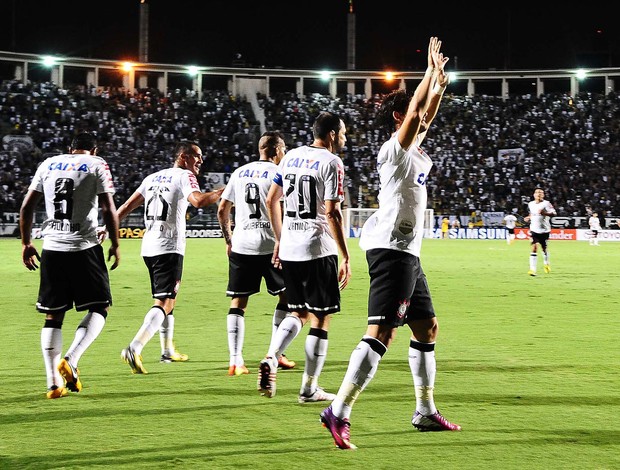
594,233
398,291
312,285
540,238
165,271
246,271
69,277
511,231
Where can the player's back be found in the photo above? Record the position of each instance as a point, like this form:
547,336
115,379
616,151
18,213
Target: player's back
247,189
309,176
70,184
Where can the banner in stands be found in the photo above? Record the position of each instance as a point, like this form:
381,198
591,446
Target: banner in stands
217,180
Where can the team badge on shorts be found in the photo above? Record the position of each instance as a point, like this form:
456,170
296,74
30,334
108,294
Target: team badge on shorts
177,286
402,308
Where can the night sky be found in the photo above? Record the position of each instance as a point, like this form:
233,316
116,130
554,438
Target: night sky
312,34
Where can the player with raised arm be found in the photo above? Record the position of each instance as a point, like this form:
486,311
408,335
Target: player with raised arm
166,195
250,246
392,238
540,228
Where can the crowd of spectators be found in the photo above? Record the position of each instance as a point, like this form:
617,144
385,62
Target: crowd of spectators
489,152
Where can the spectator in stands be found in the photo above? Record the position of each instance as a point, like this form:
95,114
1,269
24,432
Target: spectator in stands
392,239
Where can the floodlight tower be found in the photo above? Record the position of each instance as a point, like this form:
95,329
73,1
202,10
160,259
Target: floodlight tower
351,45
143,48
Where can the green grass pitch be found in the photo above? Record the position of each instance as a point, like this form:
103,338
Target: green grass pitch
528,366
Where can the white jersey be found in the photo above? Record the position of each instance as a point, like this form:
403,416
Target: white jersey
165,207
594,223
510,220
309,176
540,223
70,185
398,224
247,189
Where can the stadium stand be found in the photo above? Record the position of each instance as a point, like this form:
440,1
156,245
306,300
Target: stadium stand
489,152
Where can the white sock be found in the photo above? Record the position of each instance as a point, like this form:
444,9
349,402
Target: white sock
546,257
533,261
87,331
423,370
287,332
51,347
363,364
235,322
166,335
316,352
279,314
152,322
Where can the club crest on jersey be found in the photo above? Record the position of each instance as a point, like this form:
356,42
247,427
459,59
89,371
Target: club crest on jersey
405,227
402,308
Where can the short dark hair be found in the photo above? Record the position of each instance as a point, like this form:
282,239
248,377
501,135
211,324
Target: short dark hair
84,141
269,142
324,123
397,100
185,146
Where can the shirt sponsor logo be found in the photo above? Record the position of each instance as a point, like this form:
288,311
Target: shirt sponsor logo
303,163
254,174
63,166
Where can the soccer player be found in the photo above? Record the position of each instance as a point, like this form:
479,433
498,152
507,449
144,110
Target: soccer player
250,246
308,238
540,227
392,239
73,269
595,228
445,225
510,221
166,196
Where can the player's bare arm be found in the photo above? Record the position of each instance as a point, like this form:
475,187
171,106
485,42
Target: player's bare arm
111,220
198,199
30,255
335,220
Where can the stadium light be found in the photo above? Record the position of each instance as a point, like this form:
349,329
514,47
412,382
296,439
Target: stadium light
193,70
127,66
389,76
326,75
49,61
581,74
452,77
